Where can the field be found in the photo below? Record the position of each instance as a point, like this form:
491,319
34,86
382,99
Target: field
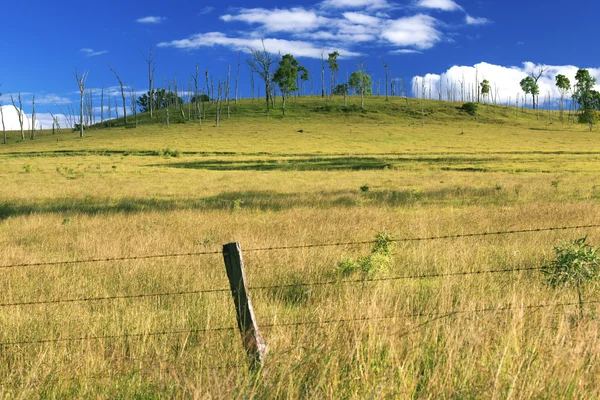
322,174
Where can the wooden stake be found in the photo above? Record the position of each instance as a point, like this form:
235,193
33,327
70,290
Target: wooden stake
251,338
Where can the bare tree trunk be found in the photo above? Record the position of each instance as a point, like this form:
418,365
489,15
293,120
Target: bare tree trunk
19,111
102,105
322,73
3,126
32,136
228,91
207,89
133,104
196,93
109,110
151,67
237,79
122,93
116,107
252,84
217,116
81,83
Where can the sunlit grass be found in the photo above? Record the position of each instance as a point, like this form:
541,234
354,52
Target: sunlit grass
259,181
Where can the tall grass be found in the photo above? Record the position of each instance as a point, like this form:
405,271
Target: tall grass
99,203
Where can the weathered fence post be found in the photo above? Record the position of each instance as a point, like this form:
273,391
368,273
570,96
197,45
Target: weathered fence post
252,339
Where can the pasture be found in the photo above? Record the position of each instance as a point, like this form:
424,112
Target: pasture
322,174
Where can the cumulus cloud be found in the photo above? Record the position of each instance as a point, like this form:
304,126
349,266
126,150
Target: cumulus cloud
504,80
342,24
476,21
150,20
295,47
11,119
444,5
293,20
418,31
92,53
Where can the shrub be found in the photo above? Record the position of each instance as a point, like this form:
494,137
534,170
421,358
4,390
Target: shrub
470,108
371,264
575,263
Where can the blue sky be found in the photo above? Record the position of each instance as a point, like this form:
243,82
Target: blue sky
44,42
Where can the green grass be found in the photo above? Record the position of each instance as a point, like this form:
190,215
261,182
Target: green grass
118,192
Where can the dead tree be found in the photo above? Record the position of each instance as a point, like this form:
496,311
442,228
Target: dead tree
228,91
19,111
197,99
385,66
102,105
217,110
322,72
261,63
252,84
32,135
81,83
151,67
207,89
2,118
109,110
122,93
237,79
133,106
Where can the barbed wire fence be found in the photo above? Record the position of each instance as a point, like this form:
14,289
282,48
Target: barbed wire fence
246,321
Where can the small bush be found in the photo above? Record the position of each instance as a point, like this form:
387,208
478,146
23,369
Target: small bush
575,263
470,108
168,153
364,188
371,264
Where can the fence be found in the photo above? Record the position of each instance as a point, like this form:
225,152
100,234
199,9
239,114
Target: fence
246,321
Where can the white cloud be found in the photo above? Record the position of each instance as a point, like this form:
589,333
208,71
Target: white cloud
368,4
504,81
150,20
476,21
11,119
52,99
206,10
405,51
361,19
444,5
93,53
418,31
295,47
277,20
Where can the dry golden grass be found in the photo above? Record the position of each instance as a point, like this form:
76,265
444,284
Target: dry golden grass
422,182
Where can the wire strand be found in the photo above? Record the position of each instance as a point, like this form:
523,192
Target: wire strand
96,260
133,296
131,335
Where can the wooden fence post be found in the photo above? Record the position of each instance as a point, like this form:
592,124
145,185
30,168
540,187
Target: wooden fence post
251,338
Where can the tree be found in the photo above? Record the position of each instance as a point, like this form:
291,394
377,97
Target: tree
361,82
151,67
586,97
2,118
485,89
81,84
122,93
19,111
385,66
261,63
529,86
564,85
286,76
333,68
32,135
